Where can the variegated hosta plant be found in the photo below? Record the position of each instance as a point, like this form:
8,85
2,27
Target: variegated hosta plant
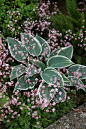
38,65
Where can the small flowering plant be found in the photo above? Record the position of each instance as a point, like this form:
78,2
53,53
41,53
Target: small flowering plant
38,68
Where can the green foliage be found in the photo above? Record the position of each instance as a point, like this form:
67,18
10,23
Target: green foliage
65,78
4,100
25,121
62,96
75,22
11,44
45,46
35,48
38,63
47,90
60,22
76,82
66,52
30,68
49,73
13,73
65,62
72,21
25,8
21,122
79,70
71,6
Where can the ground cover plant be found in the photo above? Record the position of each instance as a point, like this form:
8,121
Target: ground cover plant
24,107
13,13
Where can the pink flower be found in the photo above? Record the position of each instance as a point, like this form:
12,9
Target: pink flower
60,98
28,113
8,120
36,117
28,100
68,97
0,62
37,123
47,110
19,103
12,117
14,101
18,115
53,109
54,104
60,93
21,108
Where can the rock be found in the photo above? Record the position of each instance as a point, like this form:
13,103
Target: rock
73,120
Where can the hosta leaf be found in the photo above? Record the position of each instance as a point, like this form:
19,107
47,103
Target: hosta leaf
32,82
45,46
60,96
51,76
25,40
35,47
66,51
38,63
65,78
17,51
77,70
59,61
46,93
32,70
74,81
23,85
45,89
17,71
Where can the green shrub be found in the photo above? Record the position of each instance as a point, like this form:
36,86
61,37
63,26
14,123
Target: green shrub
9,13
73,20
72,27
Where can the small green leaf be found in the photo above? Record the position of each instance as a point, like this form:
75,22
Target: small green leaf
32,82
21,84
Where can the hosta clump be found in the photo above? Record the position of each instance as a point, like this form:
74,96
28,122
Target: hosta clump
37,68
